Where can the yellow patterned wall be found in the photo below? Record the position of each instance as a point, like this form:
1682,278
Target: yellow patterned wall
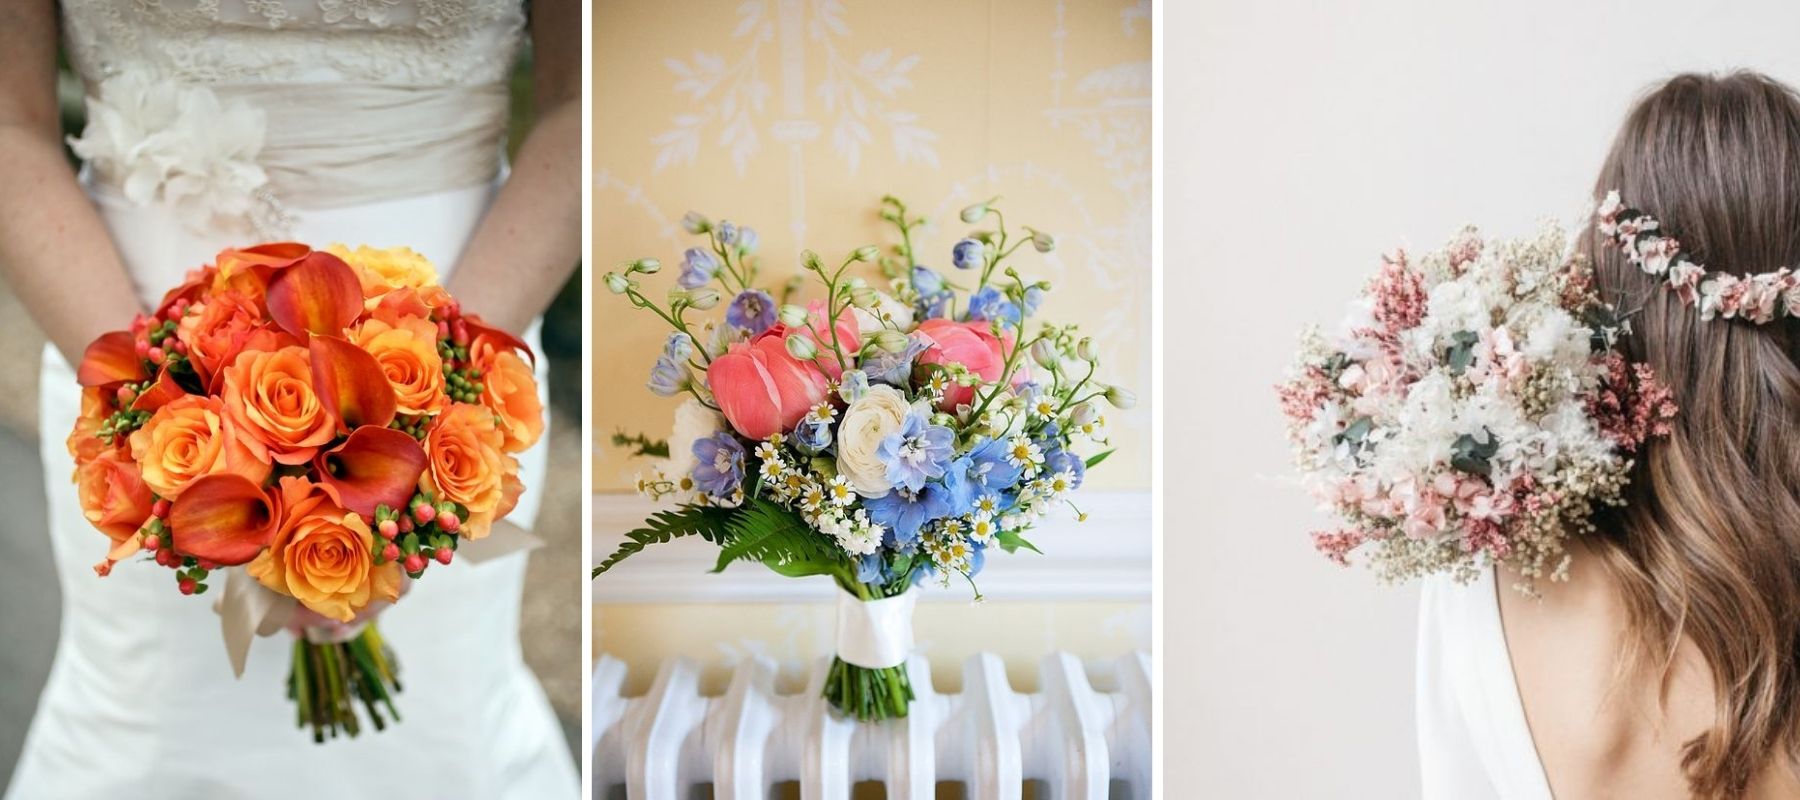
795,116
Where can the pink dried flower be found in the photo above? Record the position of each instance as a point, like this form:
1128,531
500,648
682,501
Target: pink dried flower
1337,545
1399,295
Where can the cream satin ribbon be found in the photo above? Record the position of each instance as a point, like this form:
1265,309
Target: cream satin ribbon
247,609
876,634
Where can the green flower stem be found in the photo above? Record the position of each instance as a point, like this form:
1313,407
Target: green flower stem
328,681
1006,372
1069,399
1000,250
674,319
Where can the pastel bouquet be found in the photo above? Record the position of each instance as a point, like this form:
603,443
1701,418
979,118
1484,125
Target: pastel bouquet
1473,409
880,438
322,425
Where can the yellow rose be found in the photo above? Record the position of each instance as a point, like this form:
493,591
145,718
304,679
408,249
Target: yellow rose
384,270
323,555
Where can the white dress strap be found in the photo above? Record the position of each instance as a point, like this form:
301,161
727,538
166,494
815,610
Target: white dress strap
1473,738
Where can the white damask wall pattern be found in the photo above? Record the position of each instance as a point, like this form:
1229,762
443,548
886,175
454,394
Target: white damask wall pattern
795,116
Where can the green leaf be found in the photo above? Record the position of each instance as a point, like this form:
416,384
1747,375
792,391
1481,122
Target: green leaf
1011,541
1095,459
776,536
706,522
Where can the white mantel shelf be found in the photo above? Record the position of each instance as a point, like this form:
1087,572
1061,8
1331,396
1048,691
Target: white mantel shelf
1105,558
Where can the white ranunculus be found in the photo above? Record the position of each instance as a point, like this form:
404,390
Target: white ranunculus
693,422
866,422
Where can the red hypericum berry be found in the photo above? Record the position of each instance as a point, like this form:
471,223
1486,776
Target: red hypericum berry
181,347
167,558
389,528
208,565
160,508
187,585
126,395
459,333
443,329
443,555
449,522
415,563
424,513
142,346
406,525
391,552
152,542
156,355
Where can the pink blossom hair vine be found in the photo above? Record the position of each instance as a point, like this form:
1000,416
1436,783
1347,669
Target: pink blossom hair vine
1756,298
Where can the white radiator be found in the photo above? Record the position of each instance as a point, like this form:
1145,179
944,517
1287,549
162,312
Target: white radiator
1079,743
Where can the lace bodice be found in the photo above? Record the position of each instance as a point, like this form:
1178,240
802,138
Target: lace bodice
406,42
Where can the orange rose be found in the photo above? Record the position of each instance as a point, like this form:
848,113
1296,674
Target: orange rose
406,349
215,330
84,442
510,391
115,499
188,438
323,555
466,465
269,398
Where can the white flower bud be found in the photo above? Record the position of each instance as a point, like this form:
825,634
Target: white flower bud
792,315
1044,353
1042,241
616,283
888,339
1084,414
974,213
1120,397
703,298
801,347
810,260
694,222
866,253
1084,349
648,266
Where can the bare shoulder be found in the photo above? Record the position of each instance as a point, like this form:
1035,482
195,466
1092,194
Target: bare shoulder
1599,731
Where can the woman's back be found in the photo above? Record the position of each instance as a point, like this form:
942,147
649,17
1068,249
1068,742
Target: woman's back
1599,730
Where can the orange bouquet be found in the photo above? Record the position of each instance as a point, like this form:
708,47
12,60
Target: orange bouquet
330,422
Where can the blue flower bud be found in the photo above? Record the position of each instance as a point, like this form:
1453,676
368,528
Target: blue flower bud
968,254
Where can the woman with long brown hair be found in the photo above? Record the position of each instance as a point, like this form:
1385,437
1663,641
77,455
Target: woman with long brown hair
1666,665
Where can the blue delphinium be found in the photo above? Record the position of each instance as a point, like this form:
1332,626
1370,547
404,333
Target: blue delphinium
746,240
752,310
1034,297
893,369
918,452
670,373
968,254
904,511
697,267
933,296
719,470
991,304
871,569
853,384
988,470
728,233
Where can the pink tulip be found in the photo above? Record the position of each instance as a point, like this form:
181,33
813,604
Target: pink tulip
762,390
970,344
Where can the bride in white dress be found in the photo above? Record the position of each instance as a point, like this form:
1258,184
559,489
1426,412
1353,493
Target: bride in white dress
219,123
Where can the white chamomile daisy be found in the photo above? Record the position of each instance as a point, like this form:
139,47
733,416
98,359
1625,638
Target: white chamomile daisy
768,451
1062,482
1024,453
812,497
824,411
1044,408
987,504
839,492
982,529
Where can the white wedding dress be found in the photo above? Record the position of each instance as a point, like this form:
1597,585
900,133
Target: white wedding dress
1474,743
217,123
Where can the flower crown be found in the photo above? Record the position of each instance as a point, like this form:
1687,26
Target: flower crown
1754,298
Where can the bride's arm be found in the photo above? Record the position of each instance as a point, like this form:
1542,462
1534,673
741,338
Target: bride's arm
54,251
530,240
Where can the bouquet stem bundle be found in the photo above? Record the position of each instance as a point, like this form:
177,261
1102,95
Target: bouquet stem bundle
328,679
869,695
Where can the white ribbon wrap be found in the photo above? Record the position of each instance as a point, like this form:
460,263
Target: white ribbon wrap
875,634
334,634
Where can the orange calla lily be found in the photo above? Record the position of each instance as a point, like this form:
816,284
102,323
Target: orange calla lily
223,518
161,393
319,294
479,329
374,466
351,383
112,358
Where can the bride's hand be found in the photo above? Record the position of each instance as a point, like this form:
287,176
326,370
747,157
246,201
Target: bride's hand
54,251
305,618
530,240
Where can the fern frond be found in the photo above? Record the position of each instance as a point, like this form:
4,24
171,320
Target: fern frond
776,536
711,524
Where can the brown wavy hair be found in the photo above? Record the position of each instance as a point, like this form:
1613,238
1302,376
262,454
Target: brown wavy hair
1707,548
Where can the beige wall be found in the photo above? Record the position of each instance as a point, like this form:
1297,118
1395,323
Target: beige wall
1046,103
